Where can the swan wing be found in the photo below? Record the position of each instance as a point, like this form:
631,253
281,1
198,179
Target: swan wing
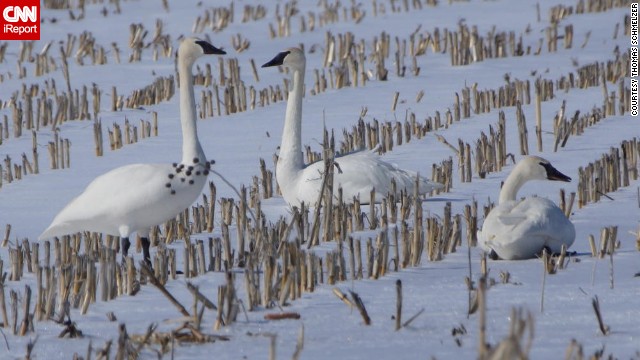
521,229
360,172
357,173
110,201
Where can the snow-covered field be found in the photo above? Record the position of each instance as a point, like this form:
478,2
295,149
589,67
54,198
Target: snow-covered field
238,141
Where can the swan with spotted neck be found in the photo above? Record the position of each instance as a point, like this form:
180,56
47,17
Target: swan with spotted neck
357,173
521,229
134,198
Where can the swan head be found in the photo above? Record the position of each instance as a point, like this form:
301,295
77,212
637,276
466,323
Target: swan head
292,57
529,168
192,48
537,168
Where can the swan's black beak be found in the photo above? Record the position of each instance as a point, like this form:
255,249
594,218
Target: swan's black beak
554,174
278,60
210,49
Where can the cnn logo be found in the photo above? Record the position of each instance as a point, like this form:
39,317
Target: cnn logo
20,20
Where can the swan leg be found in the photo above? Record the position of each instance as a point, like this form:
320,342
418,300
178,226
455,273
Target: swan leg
145,250
493,255
125,243
547,249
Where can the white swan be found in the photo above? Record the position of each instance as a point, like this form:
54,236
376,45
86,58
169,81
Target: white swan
357,173
521,229
134,198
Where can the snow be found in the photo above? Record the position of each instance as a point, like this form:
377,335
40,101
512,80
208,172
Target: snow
238,141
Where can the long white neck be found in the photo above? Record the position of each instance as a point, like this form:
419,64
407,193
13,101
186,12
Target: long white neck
191,148
514,182
290,158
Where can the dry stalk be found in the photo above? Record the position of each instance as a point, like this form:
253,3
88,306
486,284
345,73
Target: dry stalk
604,329
282,316
511,347
482,317
144,268
612,247
538,108
360,306
444,141
196,292
3,305
70,329
545,260
30,345
342,296
299,344
27,317
410,320
125,348
7,229
185,333
105,352
592,246
255,221
145,340
398,304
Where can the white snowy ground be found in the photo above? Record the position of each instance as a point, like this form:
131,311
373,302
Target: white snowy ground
237,142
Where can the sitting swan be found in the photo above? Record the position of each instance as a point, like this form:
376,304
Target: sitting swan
521,229
357,173
134,198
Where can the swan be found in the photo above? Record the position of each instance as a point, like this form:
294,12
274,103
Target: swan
136,197
357,173
521,229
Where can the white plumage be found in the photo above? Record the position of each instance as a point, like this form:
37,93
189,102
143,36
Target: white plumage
134,198
521,229
356,173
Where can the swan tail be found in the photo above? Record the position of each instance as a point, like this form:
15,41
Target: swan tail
425,186
57,229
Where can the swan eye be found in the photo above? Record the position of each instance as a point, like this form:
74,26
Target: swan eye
547,166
